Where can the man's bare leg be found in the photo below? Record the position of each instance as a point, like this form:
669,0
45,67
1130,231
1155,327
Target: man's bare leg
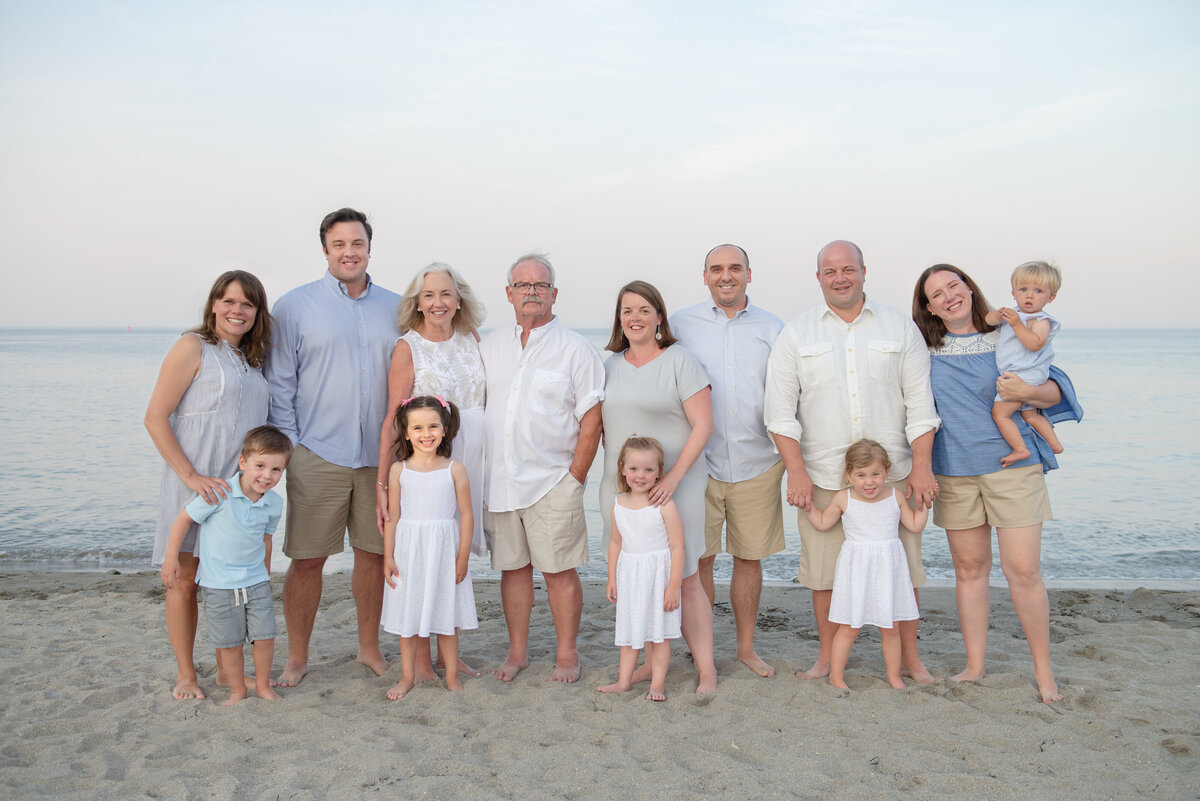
566,606
367,584
706,577
745,590
516,596
821,600
911,665
301,597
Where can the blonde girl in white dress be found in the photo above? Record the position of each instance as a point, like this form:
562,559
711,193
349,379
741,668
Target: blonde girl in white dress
871,583
645,568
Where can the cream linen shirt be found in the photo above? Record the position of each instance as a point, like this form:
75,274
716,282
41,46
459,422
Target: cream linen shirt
830,383
536,397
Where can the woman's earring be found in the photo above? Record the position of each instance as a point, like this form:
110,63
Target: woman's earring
658,333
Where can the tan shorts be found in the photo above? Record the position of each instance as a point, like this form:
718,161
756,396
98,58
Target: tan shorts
324,501
819,549
551,535
750,512
1009,498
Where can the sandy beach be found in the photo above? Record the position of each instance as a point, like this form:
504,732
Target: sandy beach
86,710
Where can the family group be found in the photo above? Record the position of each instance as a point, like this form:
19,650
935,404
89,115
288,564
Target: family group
398,426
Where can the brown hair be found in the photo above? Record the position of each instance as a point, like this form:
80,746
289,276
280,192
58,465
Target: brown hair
864,453
344,215
618,341
636,443
266,440
932,328
257,341
445,409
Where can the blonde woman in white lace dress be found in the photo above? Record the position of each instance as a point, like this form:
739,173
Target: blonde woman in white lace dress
438,354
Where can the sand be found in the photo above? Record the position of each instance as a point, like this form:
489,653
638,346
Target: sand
86,710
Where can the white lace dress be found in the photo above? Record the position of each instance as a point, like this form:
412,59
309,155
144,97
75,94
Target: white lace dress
426,600
454,370
643,572
871,584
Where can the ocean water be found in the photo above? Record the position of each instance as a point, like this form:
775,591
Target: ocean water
79,475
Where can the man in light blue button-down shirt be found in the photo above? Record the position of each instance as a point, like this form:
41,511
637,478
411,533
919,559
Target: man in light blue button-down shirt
327,371
732,339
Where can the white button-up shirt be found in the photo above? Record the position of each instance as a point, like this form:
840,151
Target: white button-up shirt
734,352
830,383
536,397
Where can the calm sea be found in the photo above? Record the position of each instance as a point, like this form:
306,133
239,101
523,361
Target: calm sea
79,476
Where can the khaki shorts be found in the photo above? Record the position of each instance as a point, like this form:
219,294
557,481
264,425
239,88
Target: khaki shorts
1009,498
323,501
750,512
819,549
551,535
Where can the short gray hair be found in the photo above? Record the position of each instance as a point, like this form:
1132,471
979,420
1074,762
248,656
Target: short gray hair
540,258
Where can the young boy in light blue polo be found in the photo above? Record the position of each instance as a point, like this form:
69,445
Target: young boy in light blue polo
235,560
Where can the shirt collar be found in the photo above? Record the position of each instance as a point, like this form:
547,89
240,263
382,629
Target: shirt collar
719,314
534,332
235,490
868,308
340,288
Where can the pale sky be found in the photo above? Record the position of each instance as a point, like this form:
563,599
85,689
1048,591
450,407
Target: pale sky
145,147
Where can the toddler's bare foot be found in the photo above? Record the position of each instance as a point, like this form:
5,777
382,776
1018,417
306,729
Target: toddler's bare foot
267,694
897,684
424,673
374,660
839,683
511,667
615,688
454,685
755,663
1015,456
1048,688
967,675
463,667
235,698
640,674
919,674
400,689
292,675
819,670
659,694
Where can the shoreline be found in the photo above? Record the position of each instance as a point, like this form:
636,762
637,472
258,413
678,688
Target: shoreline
86,710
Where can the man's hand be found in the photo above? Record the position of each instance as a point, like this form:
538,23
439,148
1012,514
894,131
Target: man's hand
799,489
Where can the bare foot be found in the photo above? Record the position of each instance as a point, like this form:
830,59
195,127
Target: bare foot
707,684
640,674
615,688
1048,689
1015,456
919,674
567,671
967,675
235,698
291,675
463,667
755,663
819,670
656,695
898,684
424,673
454,685
187,688
400,689
840,684
267,694
374,660
511,667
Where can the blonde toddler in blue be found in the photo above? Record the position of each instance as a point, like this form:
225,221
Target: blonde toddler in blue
234,548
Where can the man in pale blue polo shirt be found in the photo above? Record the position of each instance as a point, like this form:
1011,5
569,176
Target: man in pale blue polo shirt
733,340
328,375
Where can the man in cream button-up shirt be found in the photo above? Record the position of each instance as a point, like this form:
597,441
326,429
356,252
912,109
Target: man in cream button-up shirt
846,370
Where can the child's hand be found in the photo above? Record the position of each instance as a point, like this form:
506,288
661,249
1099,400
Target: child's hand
1009,315
390,571
671,598
170,573
460,568
611,591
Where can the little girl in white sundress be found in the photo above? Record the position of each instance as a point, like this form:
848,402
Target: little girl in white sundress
645,568
871,583
427,541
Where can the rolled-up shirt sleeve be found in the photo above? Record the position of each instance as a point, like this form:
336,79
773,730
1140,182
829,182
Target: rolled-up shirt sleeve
921,415
781,400
588,378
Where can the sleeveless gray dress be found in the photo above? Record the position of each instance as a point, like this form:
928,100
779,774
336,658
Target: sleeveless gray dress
226,399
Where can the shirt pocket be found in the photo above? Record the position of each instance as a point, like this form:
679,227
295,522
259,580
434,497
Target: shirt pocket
816,364
884,358
549,393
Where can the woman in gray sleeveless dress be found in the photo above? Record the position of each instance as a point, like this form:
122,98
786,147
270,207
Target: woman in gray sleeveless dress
210,392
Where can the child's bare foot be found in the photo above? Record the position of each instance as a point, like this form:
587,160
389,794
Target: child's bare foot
656,694
424,673
839,683
919,674
615,688
755,663
1016,456
967,675
897,684
374,660
454,684
567,670
187,688
640,674
292,675
511,667
463,667
819,670
707,684
267,694
1048,688
235,698
400,689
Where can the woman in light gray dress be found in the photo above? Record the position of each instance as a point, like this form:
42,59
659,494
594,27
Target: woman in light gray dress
655,388
210,392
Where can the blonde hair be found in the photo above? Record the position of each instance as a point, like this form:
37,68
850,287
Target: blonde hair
865,453
469,315
1040,273
637,443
